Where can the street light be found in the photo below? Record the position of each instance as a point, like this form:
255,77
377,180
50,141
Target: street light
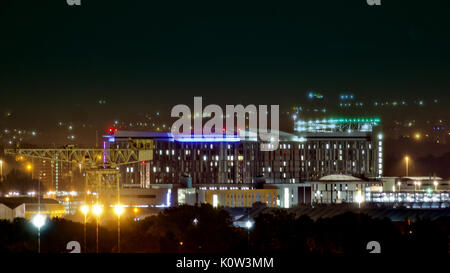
435,183
97,210
399,184
406,164
118,210
29,168
39,221
85,209
1,168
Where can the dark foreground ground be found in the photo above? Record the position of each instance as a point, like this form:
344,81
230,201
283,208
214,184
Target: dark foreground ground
187,229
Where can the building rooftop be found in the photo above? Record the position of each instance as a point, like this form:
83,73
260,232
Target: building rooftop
283,136
14,202
339,177
421,178
394,214
141,134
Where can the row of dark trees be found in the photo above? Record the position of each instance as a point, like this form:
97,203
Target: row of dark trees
187,229
347,233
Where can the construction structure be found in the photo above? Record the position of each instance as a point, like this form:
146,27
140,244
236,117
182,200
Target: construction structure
101,165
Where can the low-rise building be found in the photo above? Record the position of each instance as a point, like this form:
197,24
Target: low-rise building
338,188
27,207
241,198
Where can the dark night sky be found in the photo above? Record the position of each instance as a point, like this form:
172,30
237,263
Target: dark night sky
56,61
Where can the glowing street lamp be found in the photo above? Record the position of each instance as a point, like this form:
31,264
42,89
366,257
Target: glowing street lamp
399,184
85,209
29,168
1,168
417,185
97,210
119,210
39,221
417,136
435,183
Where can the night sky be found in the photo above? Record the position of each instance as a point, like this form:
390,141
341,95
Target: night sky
57,61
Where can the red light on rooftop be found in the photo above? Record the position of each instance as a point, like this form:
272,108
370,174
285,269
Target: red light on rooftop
112,130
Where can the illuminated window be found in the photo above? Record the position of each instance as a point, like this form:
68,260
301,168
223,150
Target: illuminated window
286,197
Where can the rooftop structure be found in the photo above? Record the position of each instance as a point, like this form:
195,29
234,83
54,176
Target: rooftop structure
339,177
332,125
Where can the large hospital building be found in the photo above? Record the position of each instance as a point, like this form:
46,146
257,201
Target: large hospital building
316,149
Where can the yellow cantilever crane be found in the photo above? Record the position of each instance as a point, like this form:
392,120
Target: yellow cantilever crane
101,165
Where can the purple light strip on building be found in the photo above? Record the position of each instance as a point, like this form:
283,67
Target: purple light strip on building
104,153
208,139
